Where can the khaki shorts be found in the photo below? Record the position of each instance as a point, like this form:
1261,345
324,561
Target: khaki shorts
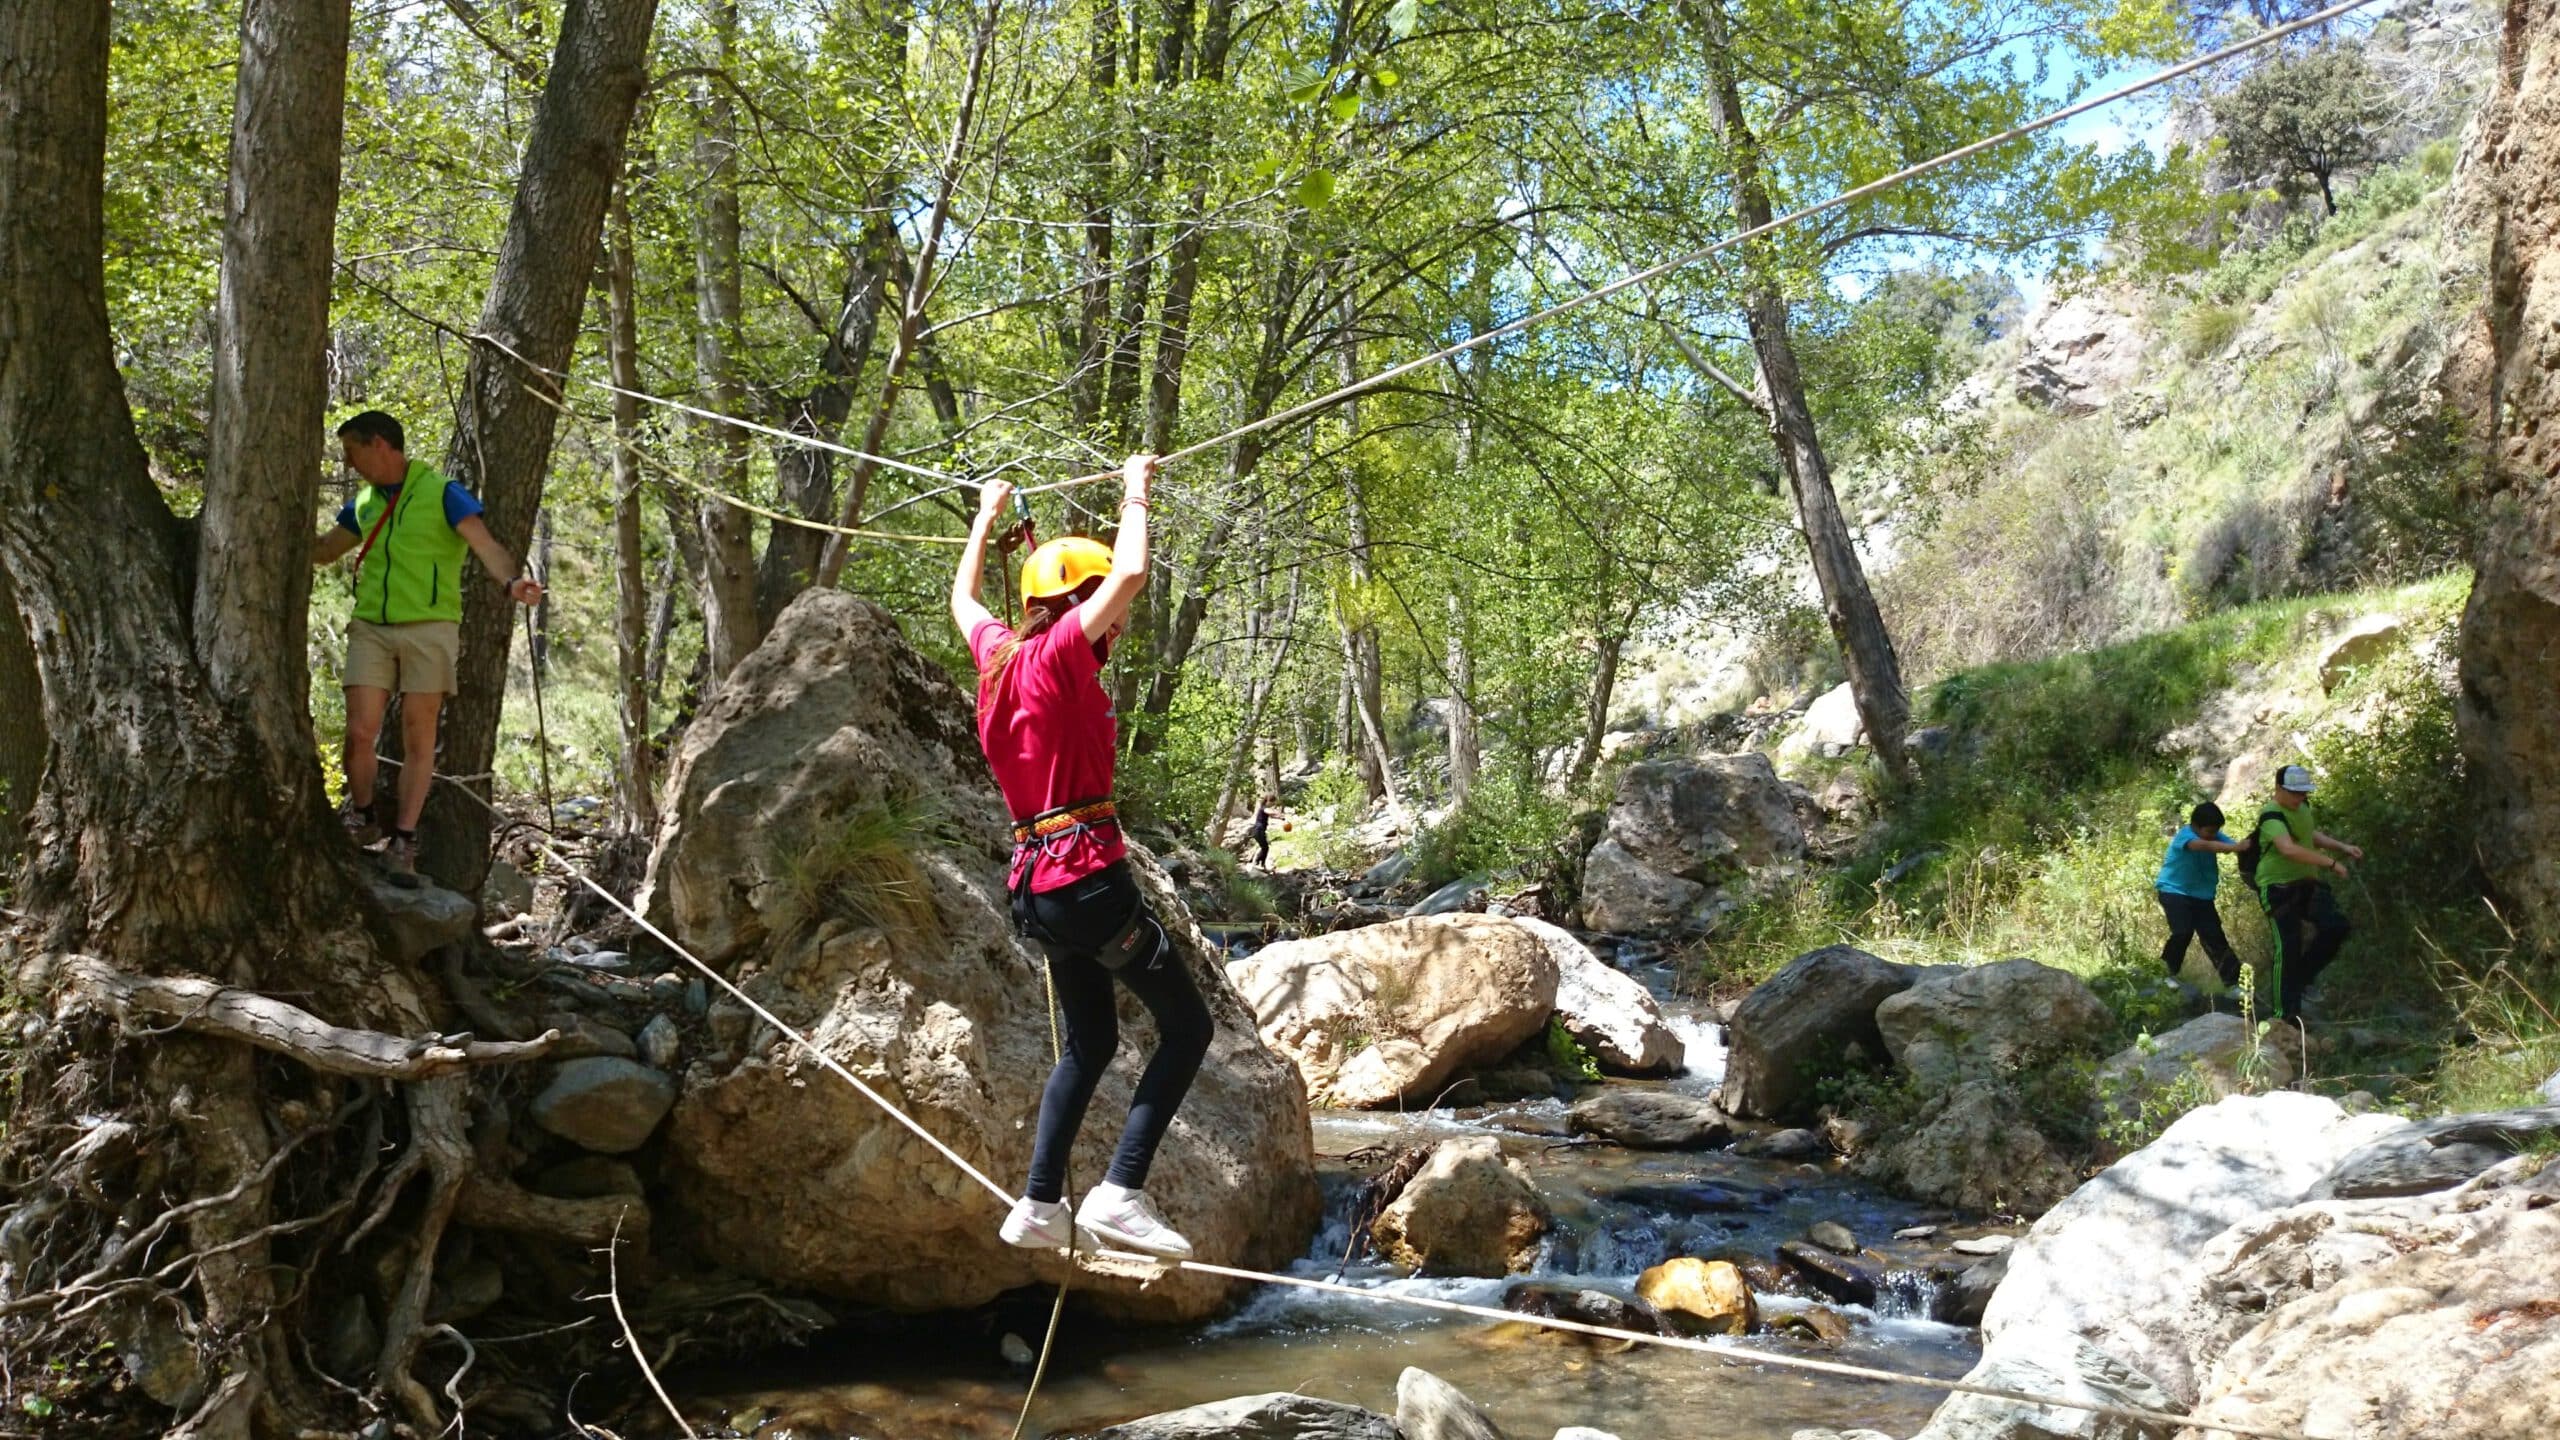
413,659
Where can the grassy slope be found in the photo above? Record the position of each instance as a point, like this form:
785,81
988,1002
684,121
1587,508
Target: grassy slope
2041,833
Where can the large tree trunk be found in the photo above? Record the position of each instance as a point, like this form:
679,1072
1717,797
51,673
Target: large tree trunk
730,627
1866,648
635,778
501,445
1465,750
181,830
1595,710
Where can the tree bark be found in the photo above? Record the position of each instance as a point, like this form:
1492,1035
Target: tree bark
1465,750
501,445
635,780
1595,713
1866,648
269,386
22,737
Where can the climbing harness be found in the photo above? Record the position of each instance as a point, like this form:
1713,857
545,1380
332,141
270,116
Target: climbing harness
1140,940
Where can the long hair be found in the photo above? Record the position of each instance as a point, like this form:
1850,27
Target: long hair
1038,615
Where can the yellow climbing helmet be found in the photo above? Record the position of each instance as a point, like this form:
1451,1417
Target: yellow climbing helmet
1062,566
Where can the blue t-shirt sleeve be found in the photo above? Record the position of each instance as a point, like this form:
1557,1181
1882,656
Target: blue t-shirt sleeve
459,504
347,518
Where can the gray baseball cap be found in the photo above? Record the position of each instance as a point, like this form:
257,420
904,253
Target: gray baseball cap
2295,779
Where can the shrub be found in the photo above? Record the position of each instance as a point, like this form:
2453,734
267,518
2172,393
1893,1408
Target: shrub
2208,328
1503,826
862,870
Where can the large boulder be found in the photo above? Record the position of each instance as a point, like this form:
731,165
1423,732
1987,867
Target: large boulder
1612,1014
2063,1367
1469,1211
1391,1013
1795,1026
2438,1327
904,970
2115,1261
1974,1148
2504,371
1685,838
1987,1021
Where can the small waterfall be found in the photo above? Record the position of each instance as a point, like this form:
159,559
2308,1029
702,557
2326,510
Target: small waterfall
1911,1295
1701,1048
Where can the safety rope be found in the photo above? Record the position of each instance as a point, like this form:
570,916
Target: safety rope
809,441
678,475
1719,1348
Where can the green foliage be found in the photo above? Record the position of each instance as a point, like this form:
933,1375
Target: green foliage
1504,825
2305,117
862,870
1567,1056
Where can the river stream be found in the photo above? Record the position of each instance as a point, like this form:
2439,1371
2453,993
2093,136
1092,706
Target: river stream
1617,1212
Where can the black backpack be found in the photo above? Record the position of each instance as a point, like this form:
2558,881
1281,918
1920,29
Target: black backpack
2251,849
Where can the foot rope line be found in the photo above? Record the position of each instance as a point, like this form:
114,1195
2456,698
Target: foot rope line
1308,408
1722,1349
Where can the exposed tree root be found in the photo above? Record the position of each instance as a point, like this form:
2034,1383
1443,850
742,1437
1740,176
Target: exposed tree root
206,1008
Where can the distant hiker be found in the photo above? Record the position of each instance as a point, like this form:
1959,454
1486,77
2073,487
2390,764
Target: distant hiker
1046,723
1260,834
2304,913
2189,876
409,526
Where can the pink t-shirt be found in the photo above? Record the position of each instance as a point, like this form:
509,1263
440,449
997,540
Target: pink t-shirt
1052,740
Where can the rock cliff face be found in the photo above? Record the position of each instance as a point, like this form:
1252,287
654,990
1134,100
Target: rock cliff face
836,848
2506,373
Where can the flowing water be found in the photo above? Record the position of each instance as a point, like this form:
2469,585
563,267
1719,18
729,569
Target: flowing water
1617,1213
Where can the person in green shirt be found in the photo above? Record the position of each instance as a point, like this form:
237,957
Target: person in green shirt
410,528
2296,856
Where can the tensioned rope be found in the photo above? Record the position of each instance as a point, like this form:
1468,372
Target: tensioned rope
1720,1349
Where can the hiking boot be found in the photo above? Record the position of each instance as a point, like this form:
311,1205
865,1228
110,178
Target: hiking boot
1037,1225
400,858
1127,1220
360,824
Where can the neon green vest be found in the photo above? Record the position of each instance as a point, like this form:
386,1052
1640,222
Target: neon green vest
413,571
2301,824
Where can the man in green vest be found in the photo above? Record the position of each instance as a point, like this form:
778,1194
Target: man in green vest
2302,910
409,527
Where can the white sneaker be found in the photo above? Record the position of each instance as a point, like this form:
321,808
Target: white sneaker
1127,1220
1037,1225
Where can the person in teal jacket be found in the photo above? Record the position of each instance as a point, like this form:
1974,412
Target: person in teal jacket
2190,876
410,528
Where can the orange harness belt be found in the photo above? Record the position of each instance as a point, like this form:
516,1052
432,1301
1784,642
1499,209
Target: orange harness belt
1066,818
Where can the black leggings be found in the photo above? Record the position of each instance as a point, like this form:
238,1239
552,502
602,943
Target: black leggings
2192,917
2309,929
1080,917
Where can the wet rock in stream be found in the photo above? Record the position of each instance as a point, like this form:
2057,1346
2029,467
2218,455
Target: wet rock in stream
1708,1297
1849,1280
1281,1416
1651,1120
